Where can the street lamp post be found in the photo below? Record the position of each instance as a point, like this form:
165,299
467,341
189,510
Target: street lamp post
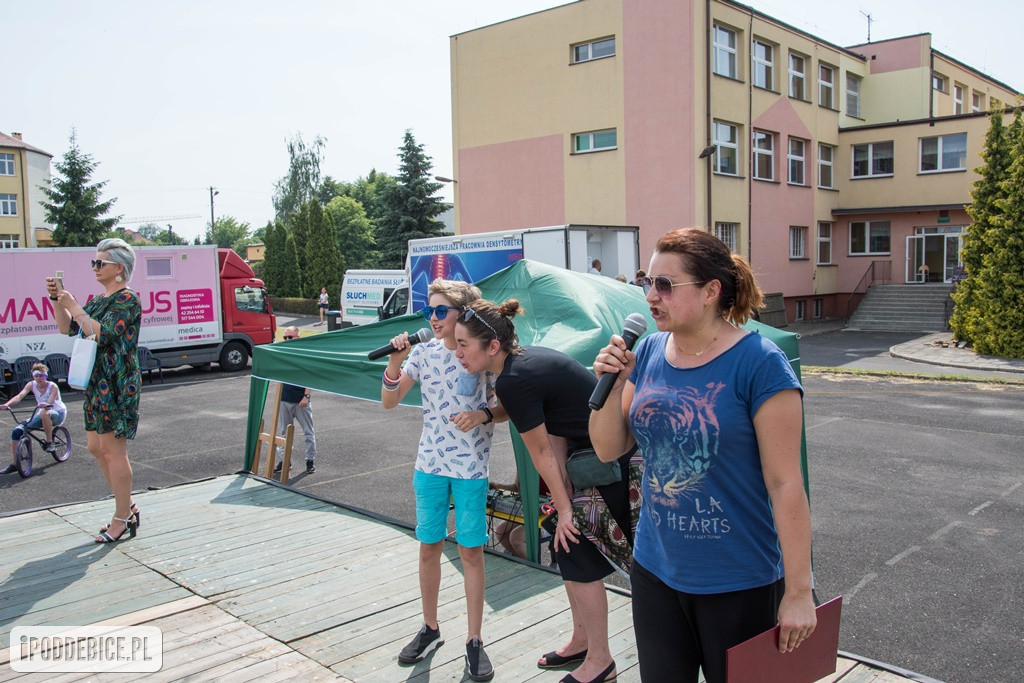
213,193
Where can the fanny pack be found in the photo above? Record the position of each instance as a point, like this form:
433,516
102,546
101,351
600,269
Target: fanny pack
586,469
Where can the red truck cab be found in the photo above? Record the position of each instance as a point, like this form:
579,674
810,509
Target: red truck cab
246,309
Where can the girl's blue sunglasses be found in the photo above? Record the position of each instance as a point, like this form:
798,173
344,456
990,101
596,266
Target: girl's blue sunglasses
440,311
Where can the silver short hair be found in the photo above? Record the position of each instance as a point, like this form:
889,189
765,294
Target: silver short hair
120,252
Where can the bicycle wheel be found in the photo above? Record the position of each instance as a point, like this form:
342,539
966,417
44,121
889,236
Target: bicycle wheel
61,444
24,456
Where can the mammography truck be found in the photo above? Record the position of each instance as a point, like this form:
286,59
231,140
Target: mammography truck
363,292
471,257
200,304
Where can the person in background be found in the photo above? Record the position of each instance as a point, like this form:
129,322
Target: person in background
621,277
323,305
723,546
451,465
50,414
595,267
639,279
295,407
111,402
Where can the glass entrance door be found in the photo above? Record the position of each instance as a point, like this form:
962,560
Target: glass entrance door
952,256
917,271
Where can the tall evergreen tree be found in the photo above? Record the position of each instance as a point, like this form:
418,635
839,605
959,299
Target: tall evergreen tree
410,206
298,227
324,264
275,257
291,276
74,205
356,245
969,311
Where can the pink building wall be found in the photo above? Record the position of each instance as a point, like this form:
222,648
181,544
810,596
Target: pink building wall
895,55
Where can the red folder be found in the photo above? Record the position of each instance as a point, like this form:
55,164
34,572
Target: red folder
758,660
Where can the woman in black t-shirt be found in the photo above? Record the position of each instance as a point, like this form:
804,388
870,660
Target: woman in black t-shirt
545,394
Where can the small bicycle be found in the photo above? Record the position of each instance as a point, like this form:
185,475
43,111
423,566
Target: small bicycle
23,451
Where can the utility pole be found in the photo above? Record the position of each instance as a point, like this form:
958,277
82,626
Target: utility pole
213,193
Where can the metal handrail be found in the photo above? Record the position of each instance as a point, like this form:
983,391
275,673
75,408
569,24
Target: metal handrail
877,271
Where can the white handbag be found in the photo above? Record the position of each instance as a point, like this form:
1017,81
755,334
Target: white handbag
83,358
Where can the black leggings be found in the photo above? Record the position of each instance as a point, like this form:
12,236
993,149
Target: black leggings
677,633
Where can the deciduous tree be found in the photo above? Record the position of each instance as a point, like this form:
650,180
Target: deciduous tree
303,178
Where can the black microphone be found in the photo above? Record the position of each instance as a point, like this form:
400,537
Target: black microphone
632,329
422,336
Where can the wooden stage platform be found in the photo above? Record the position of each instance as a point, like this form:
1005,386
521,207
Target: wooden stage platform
251,581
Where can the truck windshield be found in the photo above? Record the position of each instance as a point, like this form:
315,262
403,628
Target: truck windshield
250,300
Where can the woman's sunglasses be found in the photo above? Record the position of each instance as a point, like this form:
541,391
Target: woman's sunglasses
663,286
98,263
440,311
470,314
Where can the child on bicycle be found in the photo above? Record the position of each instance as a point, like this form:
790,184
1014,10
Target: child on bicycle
51,411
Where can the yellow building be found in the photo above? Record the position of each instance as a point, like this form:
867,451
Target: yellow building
23,168
812,160
255,252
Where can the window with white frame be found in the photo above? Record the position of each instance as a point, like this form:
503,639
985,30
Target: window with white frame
595,141
9,242
726,141
958,98
818,304
797,76
797,242
724,49
728,233
763,56
764,155
586,52
869,237
797,161
872,159
944,153
826,86
940,82
853,95
6,164
8,205
800,311
977,101
824,243
826,161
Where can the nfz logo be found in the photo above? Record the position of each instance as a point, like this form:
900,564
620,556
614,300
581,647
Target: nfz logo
35,346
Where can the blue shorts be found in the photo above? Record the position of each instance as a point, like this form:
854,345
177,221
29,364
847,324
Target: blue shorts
56,419
435,493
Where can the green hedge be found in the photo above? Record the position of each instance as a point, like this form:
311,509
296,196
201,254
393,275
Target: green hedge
282,304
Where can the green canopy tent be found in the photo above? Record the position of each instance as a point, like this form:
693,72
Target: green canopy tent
575,313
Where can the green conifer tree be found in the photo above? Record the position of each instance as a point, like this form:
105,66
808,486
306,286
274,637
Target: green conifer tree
74,205
291,275
323,261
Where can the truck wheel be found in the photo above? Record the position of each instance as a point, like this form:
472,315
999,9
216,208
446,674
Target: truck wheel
234,357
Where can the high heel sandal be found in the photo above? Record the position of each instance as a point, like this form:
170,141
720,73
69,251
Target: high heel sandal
130,525
134,509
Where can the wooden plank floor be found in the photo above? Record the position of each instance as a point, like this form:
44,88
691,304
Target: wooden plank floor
250,581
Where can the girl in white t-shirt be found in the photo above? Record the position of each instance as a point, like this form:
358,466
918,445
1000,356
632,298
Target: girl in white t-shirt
51,411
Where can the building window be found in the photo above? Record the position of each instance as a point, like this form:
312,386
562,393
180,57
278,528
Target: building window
826,157
818,305
801,311
977,102
9,242
797,242
958,99
724,48
872,159
763,55
597,49
797,161
996,104
764,155
824,243
869,237
596,141
940,83
727,232
8,205
826,86
726,148
797,76
944,153
6,164
853,95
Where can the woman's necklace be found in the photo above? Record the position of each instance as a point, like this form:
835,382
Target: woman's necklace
706,346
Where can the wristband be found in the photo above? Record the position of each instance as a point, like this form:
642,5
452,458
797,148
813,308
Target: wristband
490,415
53,298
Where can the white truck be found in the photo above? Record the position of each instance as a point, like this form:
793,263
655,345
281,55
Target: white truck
363,292
200,304
473,256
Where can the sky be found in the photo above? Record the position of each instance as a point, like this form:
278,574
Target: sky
171,98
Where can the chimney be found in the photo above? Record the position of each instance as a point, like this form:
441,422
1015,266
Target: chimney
16,136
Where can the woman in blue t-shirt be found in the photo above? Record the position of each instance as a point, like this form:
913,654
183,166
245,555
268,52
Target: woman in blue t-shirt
717,413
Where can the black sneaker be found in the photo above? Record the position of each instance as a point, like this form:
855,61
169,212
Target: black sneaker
425,642
10,469
477,663
310,467
278,468
49,446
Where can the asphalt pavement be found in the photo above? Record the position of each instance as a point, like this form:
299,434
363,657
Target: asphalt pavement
917,488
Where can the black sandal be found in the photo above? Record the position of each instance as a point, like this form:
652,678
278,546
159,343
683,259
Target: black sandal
553,660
